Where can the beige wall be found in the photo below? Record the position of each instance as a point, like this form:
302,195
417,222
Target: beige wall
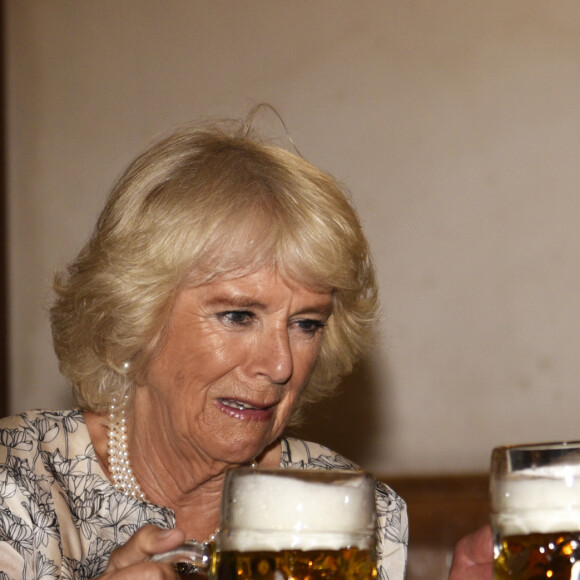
456,126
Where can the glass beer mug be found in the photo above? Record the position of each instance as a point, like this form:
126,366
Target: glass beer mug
535,504
278,524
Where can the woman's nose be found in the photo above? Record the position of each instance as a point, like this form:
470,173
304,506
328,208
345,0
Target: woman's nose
272,357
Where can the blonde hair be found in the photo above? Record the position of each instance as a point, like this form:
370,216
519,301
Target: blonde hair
208,202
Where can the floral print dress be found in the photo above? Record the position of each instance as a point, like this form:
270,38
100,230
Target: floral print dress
60,517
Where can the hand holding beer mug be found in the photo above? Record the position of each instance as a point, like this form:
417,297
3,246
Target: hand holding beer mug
280,523
535,501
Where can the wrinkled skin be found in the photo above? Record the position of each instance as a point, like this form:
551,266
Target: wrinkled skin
218,394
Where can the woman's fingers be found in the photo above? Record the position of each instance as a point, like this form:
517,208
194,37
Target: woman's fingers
143,571
147,541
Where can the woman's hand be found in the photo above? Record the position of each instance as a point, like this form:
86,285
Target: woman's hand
473,556
131,559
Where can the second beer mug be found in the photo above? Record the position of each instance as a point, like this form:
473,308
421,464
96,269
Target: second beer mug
535,500
279,524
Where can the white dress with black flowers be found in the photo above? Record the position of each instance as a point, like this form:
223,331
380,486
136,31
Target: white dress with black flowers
60,517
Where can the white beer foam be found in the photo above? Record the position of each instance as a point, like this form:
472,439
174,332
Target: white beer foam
540,501
274,513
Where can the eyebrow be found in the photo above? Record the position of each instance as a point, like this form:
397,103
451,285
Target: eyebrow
239,300
243,301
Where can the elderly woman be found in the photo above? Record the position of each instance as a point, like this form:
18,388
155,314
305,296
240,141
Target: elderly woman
227,285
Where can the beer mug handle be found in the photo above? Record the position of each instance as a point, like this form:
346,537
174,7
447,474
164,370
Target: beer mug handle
190,558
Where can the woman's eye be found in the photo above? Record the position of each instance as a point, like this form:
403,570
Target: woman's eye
310,325
237,317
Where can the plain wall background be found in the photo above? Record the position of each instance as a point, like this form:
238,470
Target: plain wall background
454,124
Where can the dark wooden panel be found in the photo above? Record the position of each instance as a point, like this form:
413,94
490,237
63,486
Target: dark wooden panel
442,509
3,234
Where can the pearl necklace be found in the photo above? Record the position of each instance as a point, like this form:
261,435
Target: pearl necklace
119,464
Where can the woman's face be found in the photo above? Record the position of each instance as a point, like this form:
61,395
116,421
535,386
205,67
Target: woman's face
236,355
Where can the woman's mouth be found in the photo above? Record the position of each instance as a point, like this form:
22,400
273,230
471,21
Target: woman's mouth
236,404
244,410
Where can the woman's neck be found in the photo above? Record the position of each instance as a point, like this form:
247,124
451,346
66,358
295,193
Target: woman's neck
191,487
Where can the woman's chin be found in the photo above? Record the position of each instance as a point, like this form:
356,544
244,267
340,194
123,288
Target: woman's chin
244,448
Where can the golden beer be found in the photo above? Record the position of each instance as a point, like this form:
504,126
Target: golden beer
538,556
535,501
345,564
288,525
